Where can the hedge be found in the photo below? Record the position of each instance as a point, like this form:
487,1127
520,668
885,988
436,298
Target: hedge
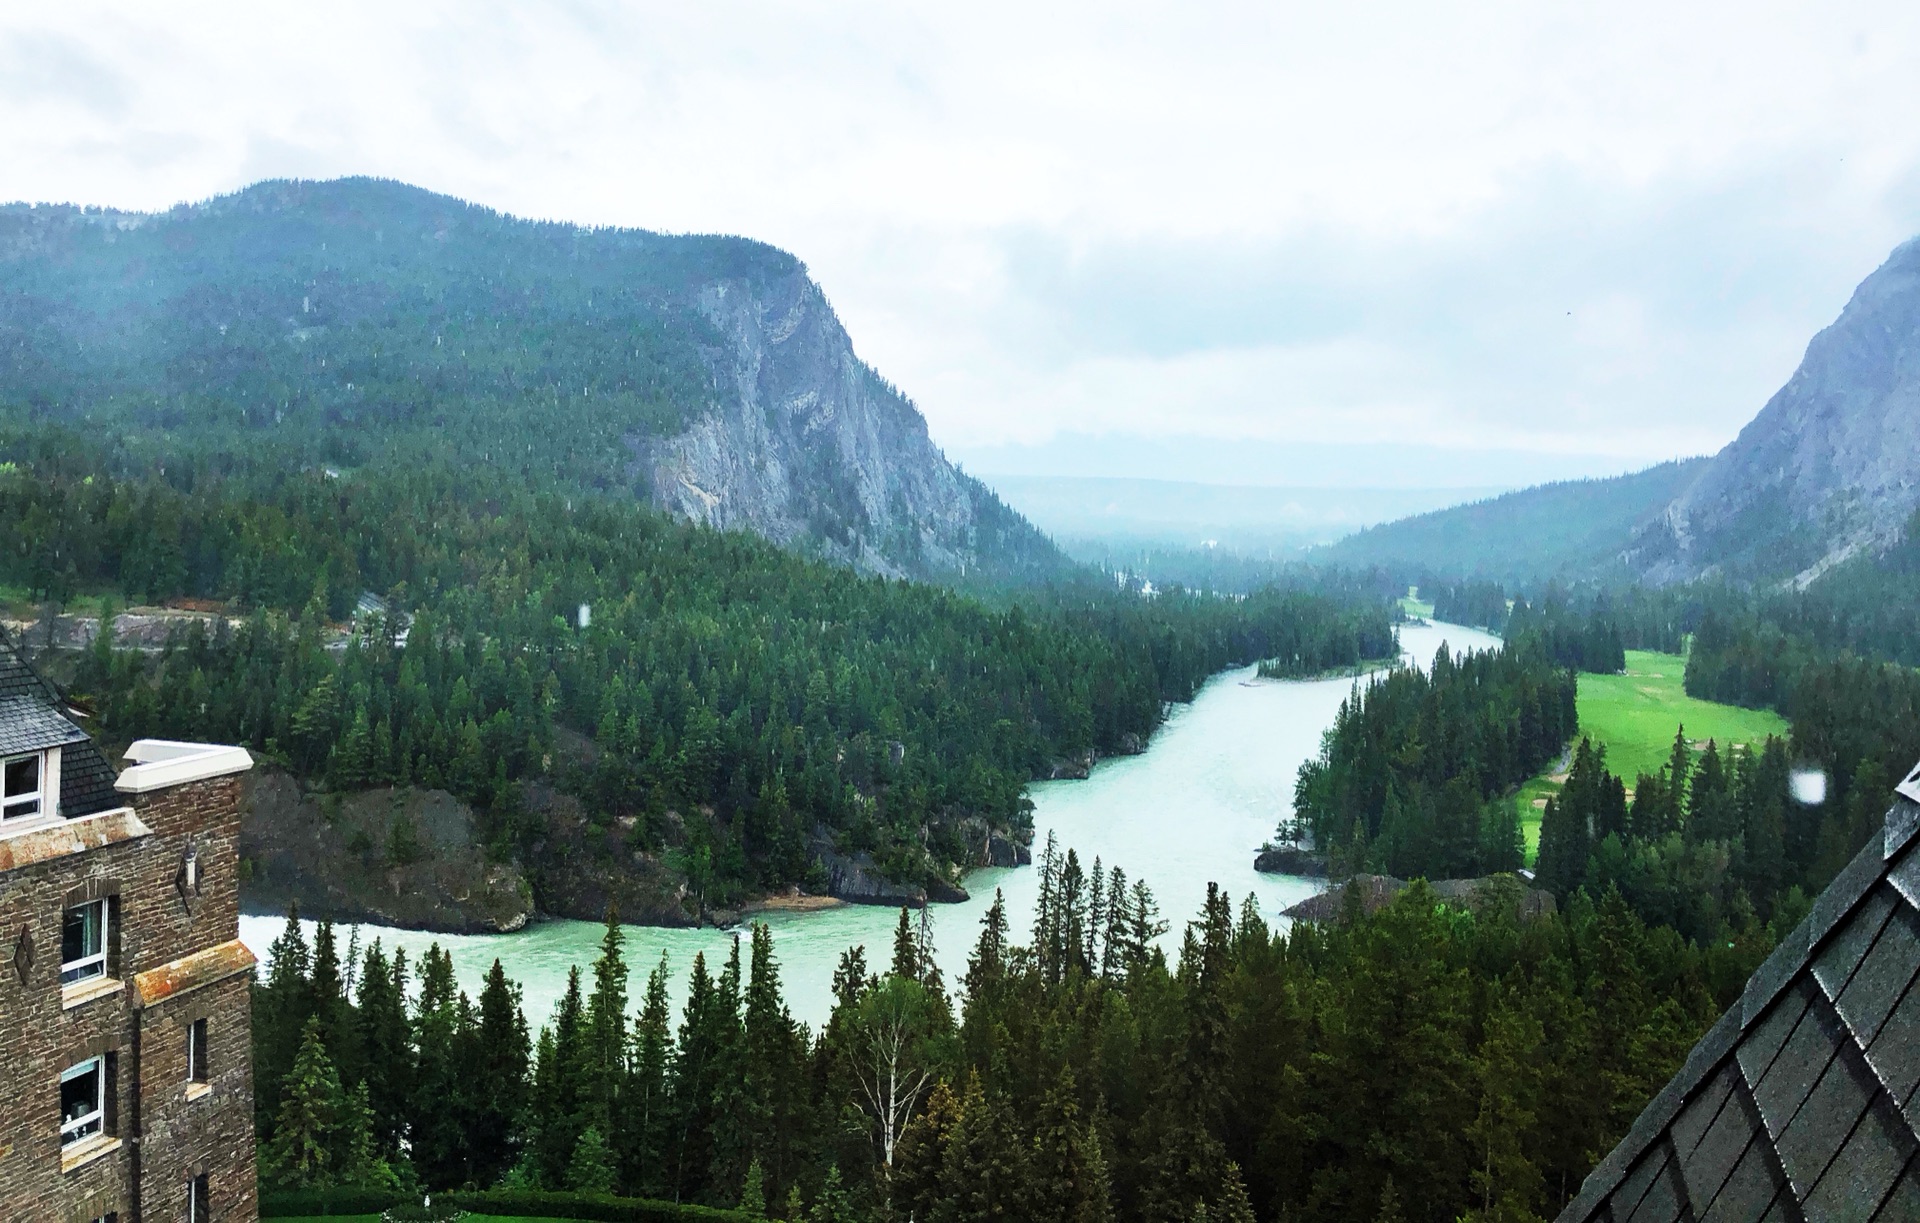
587,1206
296,1203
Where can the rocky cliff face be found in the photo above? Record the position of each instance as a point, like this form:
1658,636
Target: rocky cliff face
1829,468
807,445
395,857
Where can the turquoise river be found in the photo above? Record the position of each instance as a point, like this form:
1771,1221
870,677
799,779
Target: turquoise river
1192,809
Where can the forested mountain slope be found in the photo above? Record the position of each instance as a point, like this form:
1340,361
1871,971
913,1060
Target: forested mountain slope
359,320
1829,468
1573,528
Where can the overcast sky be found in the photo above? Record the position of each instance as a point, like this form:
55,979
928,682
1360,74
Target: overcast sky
1541,236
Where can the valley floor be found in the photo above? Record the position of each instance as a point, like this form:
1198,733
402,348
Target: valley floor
1634,716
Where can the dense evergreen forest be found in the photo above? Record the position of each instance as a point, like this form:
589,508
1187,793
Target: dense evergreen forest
728,705
1414,775
1422,1063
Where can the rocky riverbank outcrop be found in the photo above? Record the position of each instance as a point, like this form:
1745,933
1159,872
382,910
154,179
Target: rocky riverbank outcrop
1291,860
398,857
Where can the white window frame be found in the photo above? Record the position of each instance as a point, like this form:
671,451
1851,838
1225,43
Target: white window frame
199,1036
10,804
93,965
87,1125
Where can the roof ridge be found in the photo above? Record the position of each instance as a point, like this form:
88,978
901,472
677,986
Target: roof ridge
1822,957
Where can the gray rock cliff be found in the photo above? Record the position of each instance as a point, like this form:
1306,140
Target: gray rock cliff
807,445
1828,469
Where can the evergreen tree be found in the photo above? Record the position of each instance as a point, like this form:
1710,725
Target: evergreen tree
906,948
438,1144
984,1176
557,1091
914,1187
303,1152
1066,1174
642,1138
385,1035
604,1073
773,1071
281,1010
753,1195
591,1168
498,1084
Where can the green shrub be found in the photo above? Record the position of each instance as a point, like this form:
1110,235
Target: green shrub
308,1203
532,1204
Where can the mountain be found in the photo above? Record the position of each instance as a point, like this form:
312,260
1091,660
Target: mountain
364,321
1575,528
1256,520
1830,467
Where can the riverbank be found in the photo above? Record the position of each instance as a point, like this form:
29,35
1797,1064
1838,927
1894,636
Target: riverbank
1192,809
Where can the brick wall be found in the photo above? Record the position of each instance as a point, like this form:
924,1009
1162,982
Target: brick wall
39,1036
187,1134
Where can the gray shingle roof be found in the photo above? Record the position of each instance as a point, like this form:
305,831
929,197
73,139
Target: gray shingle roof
86,778
27,725
1801,1103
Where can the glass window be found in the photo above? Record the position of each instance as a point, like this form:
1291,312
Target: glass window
199,1208
20,787
83,1100
197,1051
83,942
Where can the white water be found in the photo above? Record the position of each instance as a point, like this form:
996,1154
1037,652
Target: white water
1193,809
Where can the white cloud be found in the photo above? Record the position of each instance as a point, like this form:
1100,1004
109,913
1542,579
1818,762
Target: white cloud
1605,230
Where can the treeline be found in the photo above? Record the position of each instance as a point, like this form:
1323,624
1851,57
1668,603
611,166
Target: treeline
726,700
1412,778
1587,628
1420,1063
1854,719
1715,845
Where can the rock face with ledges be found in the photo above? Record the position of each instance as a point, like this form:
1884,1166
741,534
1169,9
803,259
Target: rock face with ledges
808,446
1829,468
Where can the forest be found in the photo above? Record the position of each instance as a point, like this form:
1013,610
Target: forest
1421,1063
1413,778
728,705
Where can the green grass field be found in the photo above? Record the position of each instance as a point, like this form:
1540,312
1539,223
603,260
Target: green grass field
1635,715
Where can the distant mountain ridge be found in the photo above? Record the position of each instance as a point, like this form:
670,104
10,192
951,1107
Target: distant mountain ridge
1575,528
358,320
1828,471
1830,468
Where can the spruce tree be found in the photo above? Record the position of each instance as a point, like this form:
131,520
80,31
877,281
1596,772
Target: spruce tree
438,1143
498,1089
753,1193
305,1152
591,1168
603,1077
773,1071
1066,1175
386,1038
697,1065
832,1205
281,1009
906,948
557,1093
642,1138
914,1186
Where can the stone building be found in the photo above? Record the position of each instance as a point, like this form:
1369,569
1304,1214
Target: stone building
126,1090
1803,1102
